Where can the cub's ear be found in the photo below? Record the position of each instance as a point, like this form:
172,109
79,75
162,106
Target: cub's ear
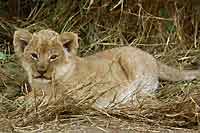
69,41
20,41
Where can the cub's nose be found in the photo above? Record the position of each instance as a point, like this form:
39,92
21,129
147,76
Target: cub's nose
41,68
42,72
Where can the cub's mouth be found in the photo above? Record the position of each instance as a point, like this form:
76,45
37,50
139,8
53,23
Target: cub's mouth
42,77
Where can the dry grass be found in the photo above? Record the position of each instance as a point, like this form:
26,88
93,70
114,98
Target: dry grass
166,29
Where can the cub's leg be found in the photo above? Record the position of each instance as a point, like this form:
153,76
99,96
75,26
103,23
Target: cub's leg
142,79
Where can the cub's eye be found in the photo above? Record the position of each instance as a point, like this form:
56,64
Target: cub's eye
34,56
53,57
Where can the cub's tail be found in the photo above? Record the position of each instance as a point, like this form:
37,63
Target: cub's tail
173,74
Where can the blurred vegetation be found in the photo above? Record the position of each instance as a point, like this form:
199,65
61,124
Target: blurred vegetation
104,22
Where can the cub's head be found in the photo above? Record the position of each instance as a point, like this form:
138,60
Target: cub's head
45,55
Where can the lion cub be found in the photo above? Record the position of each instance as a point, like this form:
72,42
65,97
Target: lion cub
119,73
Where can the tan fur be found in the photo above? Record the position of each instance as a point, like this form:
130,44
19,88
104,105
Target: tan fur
120,72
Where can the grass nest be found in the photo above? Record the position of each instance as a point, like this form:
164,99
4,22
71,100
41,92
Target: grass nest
175,107
166,29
